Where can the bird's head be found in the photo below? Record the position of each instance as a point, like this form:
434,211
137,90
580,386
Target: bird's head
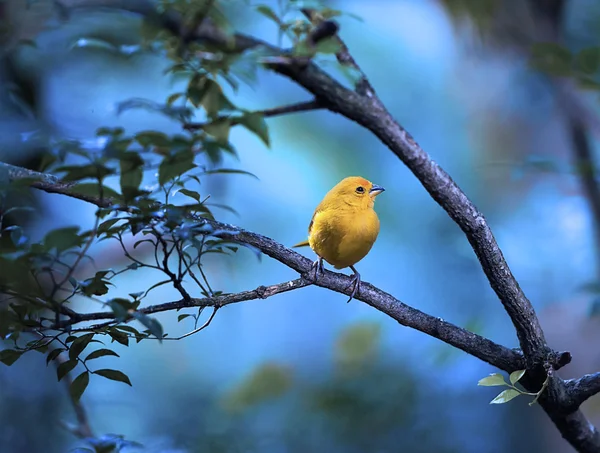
356,192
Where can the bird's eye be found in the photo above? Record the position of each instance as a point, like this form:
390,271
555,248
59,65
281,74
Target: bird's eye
360,189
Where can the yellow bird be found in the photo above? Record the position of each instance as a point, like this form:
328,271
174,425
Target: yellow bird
344,226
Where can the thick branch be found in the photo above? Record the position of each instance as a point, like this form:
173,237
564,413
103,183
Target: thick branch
583,388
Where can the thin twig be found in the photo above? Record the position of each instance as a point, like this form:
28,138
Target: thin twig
267,113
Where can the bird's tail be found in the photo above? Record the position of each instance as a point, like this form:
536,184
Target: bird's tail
301,244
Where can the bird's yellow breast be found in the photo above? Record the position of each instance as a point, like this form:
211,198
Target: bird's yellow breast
343,237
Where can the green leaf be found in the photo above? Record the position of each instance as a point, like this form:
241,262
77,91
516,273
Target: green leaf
100,353
64,368
515,376
492,380
119,337
79,385
9,356
151,324
214,100
131,165
153,138
551,58
79,345
190,193
114,375
588,60
219,129
182,317
97,285
53,355
174,165
268,12
505,396
329,46
62,239
255,122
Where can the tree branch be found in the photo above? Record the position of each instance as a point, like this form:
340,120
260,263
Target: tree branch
473,344
583,388
268,113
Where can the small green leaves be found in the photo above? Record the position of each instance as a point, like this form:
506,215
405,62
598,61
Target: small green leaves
113,375
492,380
505,396
9,356
79,385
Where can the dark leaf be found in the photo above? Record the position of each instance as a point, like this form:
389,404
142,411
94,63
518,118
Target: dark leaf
63,238
64,368
79,345
174,165
54,354
131,165
79,385
119,337
9,356
100,353
114,375
182,317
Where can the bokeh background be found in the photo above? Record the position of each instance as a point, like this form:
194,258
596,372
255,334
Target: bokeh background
304,371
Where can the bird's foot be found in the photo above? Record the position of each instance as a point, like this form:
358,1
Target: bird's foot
355,283
317,267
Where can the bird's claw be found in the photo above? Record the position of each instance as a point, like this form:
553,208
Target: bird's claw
356,284
317,267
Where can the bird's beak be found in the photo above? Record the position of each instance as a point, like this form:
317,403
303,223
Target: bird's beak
376,190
